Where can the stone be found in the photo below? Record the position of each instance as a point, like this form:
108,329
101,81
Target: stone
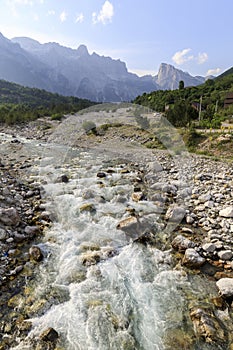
227,212
225,286
225,254
35,253
49,335
9,216
209,247
87,207
175,214
32,230
181,243
206,325
192,258
189,219
128,224
3,234
101,175
137,196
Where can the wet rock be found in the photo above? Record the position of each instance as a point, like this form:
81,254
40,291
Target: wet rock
87,207
101,175
182,243
49,335
192,258
207,326
227,212
128,224
35,253
225,286
62,179
9,216
32,230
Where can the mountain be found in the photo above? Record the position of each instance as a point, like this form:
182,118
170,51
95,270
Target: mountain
168,78
18,66
92,76
75,72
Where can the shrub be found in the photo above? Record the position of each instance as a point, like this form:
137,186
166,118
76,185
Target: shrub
89,127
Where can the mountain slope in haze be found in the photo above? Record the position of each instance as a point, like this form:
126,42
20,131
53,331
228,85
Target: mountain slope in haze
92,76
18,66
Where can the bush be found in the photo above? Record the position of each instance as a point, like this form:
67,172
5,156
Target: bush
89,127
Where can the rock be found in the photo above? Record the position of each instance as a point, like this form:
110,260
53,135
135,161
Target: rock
181,243
87,207
225,254
35,253
207,326
9,216
128,224
49,335
209,247
3,234
189,219
227,212
192,258
137,196
225,286
32,230
101,175
175,214
62,179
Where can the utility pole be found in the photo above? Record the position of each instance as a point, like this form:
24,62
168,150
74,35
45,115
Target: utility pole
199,117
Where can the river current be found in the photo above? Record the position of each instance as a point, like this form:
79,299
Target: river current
98,287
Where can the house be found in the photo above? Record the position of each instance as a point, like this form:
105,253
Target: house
228,100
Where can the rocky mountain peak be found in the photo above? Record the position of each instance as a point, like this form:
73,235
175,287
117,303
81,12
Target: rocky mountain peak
82,50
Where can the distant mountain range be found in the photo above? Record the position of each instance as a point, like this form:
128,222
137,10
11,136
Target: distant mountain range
67,71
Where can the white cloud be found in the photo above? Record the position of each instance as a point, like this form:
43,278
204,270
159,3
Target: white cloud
105,15
213,71
51,13
35,17
202,58
63,16
181,57
79,18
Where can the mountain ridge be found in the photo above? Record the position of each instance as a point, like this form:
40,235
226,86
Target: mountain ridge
67,71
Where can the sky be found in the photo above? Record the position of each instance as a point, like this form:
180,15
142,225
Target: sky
192,35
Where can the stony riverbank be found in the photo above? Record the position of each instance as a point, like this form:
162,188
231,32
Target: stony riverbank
197,205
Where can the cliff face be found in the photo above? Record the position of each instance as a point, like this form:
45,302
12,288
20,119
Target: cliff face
168,78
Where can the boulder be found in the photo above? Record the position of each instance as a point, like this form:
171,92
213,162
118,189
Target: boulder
225,286
225,254
207,326
9,216
35,253
182,243
49,335
227,212
175,214
192,258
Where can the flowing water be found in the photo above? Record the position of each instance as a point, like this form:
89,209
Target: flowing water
98,288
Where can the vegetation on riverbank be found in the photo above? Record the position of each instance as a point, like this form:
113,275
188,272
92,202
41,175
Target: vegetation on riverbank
22,104
186,105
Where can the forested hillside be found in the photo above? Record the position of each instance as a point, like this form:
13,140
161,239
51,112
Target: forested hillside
18,103
182,106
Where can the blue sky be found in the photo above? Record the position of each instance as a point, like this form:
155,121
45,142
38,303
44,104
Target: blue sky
192,35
